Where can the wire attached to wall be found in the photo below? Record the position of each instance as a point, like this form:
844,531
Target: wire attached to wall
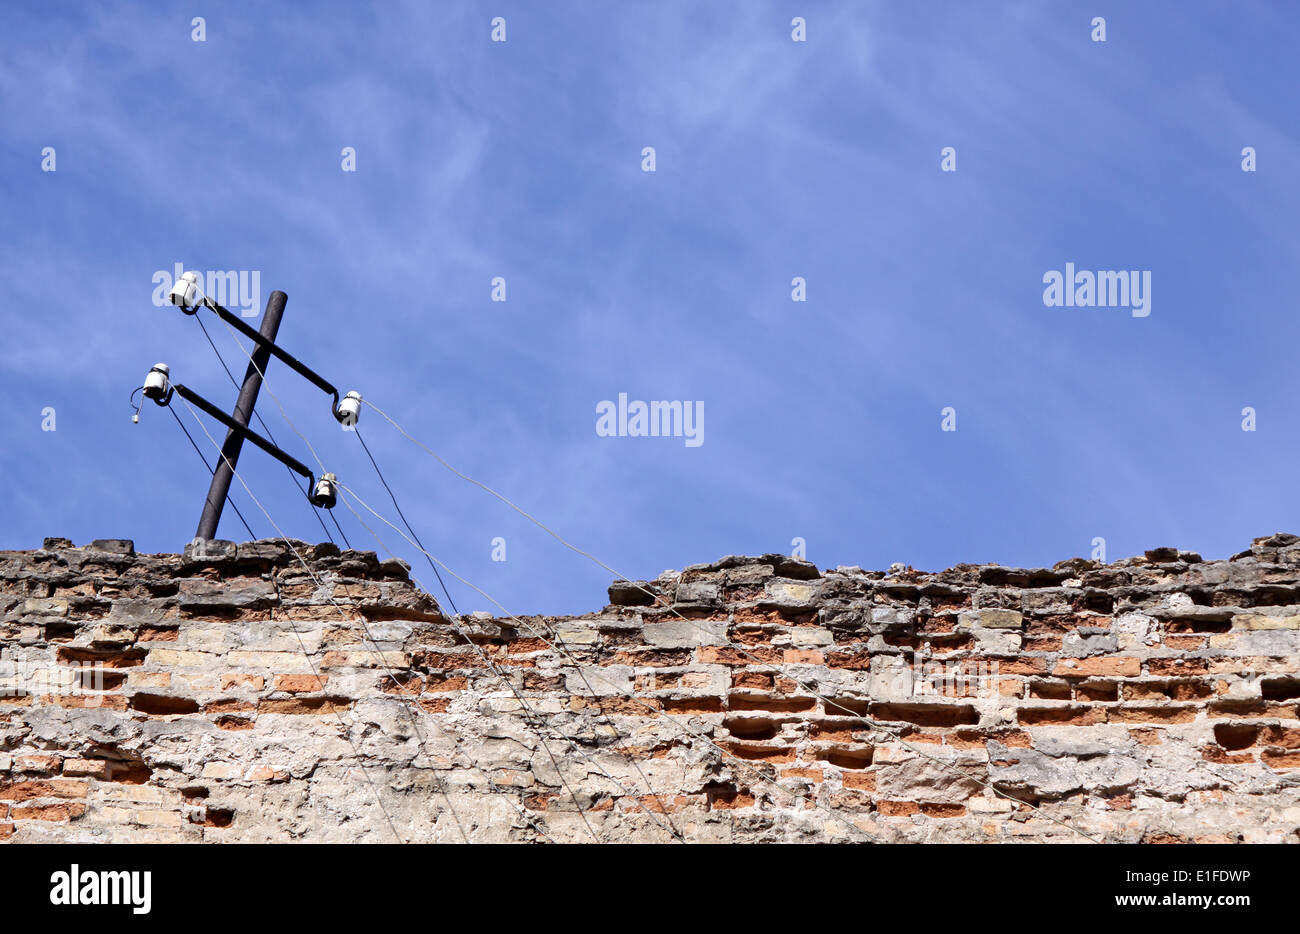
558,647
310,662
671,828
397,682
893,734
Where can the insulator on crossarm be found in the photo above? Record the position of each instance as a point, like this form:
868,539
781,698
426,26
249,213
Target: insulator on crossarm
349,412
185,292
325,493
156,385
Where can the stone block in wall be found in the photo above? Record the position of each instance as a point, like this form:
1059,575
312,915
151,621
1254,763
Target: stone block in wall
632,593
1260,621
991,619
574,636
702,592
892,617
207,553
116,546
791,593
45,607
241,593
939,777
681,634
1081,644
602,680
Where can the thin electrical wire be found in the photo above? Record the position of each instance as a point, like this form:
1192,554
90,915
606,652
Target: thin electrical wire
438,782
392,676
321,465
400,688
342,534
212,470
397,683
618,737
365,447
285,415
351,494
266,384
456,621
871,724
310,662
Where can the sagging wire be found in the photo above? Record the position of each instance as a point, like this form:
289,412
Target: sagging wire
135,418
875,726
349,494
317,581
532,714
211,470
380,474
285,415
354,401
303,645
420,545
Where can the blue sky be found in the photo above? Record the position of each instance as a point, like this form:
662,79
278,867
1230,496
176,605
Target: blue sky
774,159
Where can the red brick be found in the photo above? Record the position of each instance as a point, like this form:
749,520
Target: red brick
755,680
228,705
1276,759
1177,666
255,682
897,808
725,655
853,661
86,701
50,812
802,657
943,810
318,706
91,768
1076,716
1170,714
300,684
863,781
44,788
37,763
696,705
1125,667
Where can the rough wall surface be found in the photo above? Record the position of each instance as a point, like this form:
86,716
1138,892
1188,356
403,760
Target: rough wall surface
240,697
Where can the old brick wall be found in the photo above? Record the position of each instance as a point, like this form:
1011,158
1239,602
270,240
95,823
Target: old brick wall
240,697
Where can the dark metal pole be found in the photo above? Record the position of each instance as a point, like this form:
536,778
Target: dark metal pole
225,471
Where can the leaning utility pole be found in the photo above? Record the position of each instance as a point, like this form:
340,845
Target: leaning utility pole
225,471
